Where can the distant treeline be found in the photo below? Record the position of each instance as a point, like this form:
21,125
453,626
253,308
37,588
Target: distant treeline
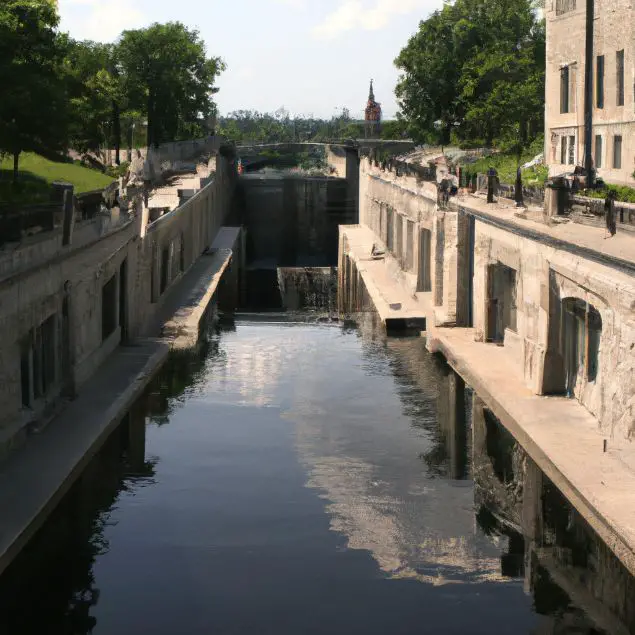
249,126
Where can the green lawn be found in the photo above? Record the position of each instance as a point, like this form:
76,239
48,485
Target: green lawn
37,173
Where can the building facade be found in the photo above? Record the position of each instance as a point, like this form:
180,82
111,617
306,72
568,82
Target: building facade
613,94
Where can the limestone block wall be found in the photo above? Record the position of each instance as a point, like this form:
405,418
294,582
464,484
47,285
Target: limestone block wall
614,26
63,314
398,209
175,241
65,292
545,277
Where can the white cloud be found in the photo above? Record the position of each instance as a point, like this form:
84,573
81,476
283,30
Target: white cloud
99,20
358,14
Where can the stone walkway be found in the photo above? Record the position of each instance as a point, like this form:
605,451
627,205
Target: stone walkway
384,279
34,478
559,434
620,247
168,196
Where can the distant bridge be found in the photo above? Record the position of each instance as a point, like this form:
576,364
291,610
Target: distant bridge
357,144
341,156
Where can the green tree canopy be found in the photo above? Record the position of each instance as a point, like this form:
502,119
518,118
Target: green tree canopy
475,66
95,95
167,75
33,114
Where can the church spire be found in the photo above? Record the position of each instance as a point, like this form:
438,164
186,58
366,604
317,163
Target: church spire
371,92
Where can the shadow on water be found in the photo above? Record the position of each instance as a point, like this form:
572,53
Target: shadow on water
520,526
50,587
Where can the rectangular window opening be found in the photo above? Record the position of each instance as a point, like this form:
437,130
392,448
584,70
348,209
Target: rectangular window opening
599,82
564,89
617,152
109,308
619,64
598,151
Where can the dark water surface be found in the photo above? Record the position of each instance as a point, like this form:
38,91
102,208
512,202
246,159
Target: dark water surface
295,477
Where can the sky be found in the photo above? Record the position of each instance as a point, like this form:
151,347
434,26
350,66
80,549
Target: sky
312,57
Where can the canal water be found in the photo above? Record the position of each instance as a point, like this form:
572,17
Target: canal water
299,474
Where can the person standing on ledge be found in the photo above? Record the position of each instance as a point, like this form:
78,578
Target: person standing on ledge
609,213
492,175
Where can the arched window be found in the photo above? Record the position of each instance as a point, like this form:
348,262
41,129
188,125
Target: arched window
581,330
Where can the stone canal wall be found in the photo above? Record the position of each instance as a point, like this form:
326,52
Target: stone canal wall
538,318
514,283
293,220
66,308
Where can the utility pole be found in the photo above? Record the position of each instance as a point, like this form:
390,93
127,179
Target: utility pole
588,93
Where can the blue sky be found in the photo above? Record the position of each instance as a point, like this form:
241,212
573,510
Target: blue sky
309,56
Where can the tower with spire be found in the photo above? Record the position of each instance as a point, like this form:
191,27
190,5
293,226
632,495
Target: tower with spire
372,116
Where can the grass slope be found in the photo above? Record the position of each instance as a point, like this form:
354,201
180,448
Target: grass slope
37,173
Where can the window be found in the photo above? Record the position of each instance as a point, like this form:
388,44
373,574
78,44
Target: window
571,156
563,149
617,152
619,63
399,246
47,337
564,89
108,308
564,6
580,341
410,247
25,370
38,363
598,151
599,82
424,282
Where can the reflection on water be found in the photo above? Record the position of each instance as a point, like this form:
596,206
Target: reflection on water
298,476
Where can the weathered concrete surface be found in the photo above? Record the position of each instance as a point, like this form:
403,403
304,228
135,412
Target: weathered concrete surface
547,265
383,279
293,221
34,479
550,262
583,240
182,329
559,434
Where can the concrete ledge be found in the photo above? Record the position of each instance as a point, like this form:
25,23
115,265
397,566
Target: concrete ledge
580,240
558,433
384,282
182,330
35,478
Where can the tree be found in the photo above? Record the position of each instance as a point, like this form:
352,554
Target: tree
95,95
166,74
431,63
33,114
475,66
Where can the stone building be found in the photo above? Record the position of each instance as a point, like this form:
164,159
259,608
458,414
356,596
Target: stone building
613,97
